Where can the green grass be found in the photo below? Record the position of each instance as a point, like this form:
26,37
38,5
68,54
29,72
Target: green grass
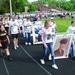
62,24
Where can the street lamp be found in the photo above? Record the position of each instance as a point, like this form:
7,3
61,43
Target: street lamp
10,8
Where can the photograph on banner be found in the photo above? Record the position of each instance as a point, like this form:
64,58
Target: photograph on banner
62,45
36,31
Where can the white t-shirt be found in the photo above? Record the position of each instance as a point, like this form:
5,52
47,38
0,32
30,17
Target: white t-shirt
47,35
6,23
20,22
27,26
53,25
71,29
14,27
38,23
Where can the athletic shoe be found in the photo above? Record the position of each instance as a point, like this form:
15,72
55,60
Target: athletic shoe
17,46
55,66
9,59
29,43
42,61
3,55
26,43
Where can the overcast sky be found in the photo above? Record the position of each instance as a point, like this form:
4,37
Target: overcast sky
32,0
37,0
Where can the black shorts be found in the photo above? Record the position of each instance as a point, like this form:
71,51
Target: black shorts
14,36
7,29
20,28
4,45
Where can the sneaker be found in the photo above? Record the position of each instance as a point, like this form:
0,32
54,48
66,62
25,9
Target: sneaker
42,61
55,66
29,43
9,59
26,43
15,47
3,55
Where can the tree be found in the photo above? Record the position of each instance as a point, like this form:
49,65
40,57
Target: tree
31,8
67,6
4,6
73,2
17,5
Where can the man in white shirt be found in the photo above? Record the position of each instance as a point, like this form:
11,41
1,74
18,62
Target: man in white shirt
71,29
14,26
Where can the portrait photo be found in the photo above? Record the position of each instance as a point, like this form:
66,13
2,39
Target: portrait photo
36,32
62,45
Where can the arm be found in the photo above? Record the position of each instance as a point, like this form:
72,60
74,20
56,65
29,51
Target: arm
0,43
42,37
19,29
8,39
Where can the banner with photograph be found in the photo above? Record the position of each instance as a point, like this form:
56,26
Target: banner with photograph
36,32
62,45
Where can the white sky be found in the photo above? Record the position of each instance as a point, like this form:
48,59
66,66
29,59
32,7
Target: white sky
37,0
31,0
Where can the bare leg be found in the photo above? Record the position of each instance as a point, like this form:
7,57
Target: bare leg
3,52
8,54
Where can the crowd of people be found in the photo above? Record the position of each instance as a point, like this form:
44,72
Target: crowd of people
14,25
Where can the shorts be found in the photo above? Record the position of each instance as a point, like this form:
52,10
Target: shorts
4,45
20,28
14,36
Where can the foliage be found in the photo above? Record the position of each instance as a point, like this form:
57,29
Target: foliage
17,5
4,6
73,2
67,6
31,7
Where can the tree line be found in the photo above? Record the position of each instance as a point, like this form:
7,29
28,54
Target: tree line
19,5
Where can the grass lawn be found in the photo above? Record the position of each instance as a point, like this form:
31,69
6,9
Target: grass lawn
62,24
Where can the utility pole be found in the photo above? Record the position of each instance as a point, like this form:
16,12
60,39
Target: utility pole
10,8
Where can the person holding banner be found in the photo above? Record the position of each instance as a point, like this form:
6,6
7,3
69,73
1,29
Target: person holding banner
47,40
71,29
27,29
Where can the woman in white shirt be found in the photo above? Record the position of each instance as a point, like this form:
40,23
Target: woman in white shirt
27,29
47,40
14,26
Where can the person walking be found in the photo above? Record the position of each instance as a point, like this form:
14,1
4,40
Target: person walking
27,30
71,29
47,40
4,41
14,29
